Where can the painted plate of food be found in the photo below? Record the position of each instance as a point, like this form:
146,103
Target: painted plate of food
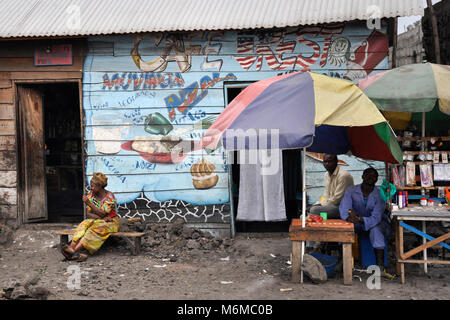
157,150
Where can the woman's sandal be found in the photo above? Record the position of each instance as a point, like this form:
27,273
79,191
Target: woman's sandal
66,254
80,257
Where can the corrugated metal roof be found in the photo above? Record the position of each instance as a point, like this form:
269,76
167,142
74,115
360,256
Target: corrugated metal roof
44,18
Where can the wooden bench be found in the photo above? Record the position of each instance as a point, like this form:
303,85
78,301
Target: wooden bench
133,238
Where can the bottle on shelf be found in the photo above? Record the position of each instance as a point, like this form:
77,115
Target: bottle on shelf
400,200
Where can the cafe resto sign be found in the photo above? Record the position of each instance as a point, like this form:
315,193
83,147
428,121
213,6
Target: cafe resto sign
53,55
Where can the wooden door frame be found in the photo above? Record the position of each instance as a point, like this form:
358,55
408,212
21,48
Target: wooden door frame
232,85
19,137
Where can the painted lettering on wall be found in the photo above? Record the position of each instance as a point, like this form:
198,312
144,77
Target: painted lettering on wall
319,46
192,94
132,98
142,164
136,81
273,47
176,50
108,162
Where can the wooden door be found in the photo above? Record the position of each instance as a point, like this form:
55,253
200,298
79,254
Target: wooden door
32,190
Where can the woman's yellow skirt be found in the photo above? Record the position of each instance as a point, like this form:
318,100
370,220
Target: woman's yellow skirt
93,232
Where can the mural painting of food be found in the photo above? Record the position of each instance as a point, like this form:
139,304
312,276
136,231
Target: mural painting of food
148,100
204,175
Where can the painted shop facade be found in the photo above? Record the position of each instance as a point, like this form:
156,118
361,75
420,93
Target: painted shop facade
121,104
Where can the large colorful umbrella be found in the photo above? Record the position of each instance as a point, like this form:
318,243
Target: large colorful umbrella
309,110
306,110
412,88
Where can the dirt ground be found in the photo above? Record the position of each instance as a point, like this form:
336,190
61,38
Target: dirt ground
249,266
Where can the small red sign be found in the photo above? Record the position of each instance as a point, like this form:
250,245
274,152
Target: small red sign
53,55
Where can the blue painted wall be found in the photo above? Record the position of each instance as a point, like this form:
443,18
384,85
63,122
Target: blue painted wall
149,86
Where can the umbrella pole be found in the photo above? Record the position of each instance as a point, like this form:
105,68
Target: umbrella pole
422,145
423,129
303,205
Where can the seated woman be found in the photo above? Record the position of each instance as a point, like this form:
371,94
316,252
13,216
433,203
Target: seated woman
101,221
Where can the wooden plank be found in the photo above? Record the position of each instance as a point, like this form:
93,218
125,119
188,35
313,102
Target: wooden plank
7,111
5,75
8,196
296,260
7,127
34,190
425,246
331,224
8,211
8,143
117,234
421,218
5,83
322,236
426,261
7,95
347,263
8,179
445,138
47,75
24,64
7,160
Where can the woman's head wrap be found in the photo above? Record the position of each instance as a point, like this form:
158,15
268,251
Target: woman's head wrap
100,179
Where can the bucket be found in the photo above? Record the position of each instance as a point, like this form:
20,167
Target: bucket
328,262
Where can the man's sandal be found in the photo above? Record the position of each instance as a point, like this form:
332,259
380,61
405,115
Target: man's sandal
388,275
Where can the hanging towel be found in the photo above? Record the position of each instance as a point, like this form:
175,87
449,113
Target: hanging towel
261,191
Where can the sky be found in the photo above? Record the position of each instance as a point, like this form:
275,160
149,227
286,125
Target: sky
403,22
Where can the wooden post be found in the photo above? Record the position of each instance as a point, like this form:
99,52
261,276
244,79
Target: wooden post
402,264
64,239
424,241
137,246
296,260
397,244
347,262
437,50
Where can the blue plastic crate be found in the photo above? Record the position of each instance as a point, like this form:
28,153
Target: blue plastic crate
328,262
367,253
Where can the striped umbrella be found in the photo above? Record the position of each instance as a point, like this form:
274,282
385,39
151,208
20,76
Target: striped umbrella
412,88
307,110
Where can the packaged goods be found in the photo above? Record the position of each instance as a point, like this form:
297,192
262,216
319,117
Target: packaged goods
402,175
410,174
426,176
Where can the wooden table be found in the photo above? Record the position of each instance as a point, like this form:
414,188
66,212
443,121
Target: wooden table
332,230
424,214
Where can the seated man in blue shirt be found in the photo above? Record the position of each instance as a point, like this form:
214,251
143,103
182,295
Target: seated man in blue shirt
363,206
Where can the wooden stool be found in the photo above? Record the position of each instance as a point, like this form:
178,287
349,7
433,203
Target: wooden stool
333,230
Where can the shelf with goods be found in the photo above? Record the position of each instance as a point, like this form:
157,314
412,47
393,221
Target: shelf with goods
424,172
444,138
420,188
